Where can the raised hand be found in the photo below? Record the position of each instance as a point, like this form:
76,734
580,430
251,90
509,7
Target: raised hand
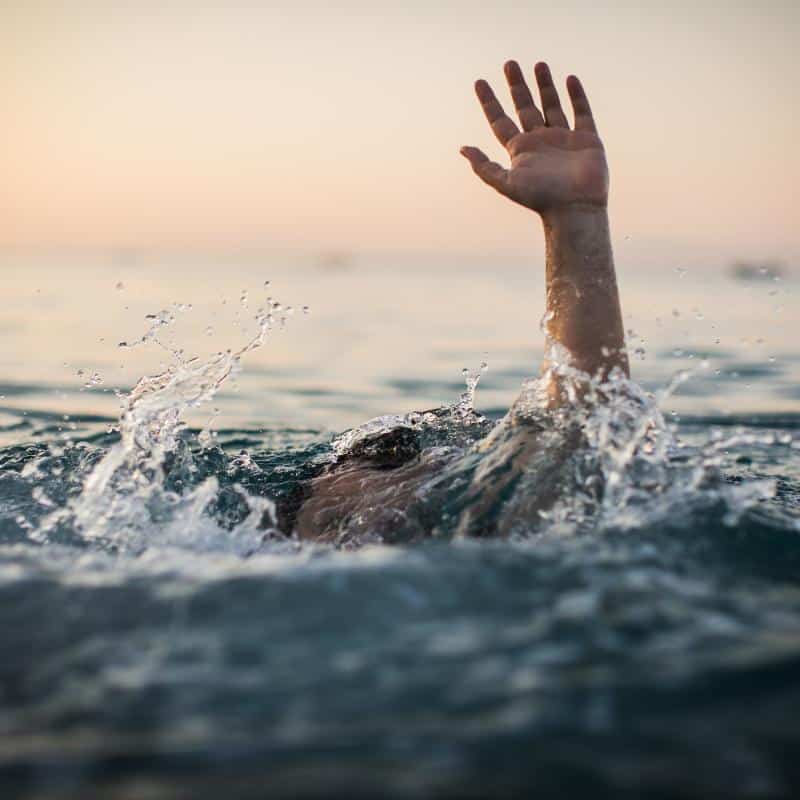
552,165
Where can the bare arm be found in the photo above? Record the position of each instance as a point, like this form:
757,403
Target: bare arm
561,174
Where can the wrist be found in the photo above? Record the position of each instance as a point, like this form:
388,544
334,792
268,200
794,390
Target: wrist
577,241
572,214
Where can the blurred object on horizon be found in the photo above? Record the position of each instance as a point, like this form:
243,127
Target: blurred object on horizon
757,271
335,260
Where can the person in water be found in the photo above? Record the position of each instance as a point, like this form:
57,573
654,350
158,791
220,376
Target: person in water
560,173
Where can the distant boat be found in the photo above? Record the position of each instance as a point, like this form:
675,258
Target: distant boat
752,271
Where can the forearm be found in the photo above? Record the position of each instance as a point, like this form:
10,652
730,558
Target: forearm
583,308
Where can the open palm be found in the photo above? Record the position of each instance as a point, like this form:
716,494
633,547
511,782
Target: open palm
552,166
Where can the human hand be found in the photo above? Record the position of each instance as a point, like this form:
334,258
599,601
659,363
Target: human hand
553,167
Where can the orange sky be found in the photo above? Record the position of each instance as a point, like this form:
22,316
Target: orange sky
300,125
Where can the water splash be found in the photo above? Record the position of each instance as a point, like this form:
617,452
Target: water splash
451,422
126,502
603,459
466,403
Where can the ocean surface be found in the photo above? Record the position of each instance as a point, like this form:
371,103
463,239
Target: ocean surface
636,635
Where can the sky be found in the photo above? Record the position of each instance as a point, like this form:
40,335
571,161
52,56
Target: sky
326,127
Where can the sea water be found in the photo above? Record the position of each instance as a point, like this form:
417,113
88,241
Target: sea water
638,635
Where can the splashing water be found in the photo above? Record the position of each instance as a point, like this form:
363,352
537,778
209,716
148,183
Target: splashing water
126,502
448,422
604,460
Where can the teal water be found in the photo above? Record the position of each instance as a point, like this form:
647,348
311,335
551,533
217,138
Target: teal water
161,638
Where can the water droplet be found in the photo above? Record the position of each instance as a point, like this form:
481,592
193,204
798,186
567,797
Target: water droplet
675,312
681,271
306,310
699,315
122,344
209,331
120,286
266,284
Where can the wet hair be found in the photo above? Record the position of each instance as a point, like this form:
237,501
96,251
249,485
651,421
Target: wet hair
385,450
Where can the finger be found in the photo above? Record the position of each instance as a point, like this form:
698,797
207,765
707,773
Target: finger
584,121
551,105
503,126
529,116
488,171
